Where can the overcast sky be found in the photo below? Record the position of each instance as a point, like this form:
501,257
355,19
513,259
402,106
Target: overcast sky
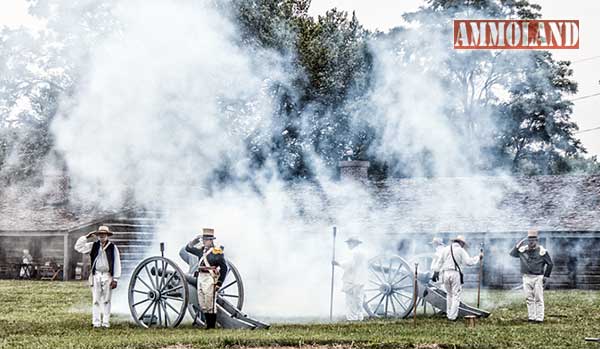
385,14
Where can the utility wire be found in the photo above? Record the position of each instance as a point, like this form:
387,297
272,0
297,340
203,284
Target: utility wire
588,130
584,97
585,59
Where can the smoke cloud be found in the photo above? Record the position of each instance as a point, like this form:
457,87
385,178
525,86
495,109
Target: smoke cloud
170,98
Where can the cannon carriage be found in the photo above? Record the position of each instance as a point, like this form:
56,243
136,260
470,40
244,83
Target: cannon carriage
160,294
391,290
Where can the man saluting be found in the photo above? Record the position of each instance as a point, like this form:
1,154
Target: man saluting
536,266
212,270
106,271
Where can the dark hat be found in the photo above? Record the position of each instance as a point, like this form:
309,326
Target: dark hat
103,229
208,234
353,240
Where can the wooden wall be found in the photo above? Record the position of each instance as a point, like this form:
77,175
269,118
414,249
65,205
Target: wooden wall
576,257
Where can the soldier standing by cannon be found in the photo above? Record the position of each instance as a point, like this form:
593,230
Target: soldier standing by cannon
536,266
105,273
354,279
453,259
211,273
439,245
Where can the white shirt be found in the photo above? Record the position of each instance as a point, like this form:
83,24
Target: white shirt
439,249
462,258
85,247
355,268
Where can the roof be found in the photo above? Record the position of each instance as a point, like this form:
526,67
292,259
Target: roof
413,205
492,204
29,208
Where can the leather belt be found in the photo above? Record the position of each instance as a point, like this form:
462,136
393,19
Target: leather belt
207,269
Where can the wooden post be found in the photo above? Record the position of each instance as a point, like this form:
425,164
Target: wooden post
480,273
66,257
332,276
415,295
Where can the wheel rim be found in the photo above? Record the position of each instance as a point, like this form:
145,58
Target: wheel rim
158,294
390,289
233,287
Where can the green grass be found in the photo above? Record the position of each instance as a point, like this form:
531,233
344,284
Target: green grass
53,315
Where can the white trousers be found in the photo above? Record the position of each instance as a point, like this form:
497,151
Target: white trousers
354,302
533,285
101,294
206,292
451,281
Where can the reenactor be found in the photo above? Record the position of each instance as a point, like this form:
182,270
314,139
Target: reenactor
438,245
212,269
536,266
453,258
354,279
105,273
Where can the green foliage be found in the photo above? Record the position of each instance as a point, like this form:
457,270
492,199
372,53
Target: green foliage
540,134
331,75
57,315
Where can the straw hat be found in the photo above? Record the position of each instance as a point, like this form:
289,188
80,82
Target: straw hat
103,229
436,241
208,234
460,238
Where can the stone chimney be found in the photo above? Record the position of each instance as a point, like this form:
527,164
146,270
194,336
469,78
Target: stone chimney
354,170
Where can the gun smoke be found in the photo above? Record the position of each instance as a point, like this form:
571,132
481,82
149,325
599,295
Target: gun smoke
170,98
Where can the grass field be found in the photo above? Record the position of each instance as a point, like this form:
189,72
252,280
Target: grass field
55,315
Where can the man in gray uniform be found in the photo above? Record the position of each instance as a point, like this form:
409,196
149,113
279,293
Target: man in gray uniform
536,266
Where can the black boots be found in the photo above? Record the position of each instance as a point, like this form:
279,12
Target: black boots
211,320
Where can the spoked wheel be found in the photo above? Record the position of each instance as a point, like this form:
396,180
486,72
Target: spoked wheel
232,291
158,294
390,290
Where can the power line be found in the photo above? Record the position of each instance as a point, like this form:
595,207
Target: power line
585,59
589,129
584,97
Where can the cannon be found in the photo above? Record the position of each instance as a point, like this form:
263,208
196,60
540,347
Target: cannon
390,291
160,294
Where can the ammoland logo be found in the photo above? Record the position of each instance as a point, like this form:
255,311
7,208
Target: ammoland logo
488,34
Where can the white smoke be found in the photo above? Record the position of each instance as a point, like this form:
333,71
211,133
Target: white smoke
170,97
167,100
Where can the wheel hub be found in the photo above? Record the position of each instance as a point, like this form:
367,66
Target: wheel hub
387,289
154,294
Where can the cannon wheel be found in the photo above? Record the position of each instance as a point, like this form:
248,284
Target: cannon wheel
232,291
158,294
390,289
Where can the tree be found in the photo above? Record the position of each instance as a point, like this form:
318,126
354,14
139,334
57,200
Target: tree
539,134
528,132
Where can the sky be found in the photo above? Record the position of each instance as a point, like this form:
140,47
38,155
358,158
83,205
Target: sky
386,14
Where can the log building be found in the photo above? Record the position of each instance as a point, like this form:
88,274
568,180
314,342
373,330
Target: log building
566,210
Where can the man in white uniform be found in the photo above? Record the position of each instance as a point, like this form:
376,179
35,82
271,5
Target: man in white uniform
536,266
353,280
439,245
105,273
453,259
